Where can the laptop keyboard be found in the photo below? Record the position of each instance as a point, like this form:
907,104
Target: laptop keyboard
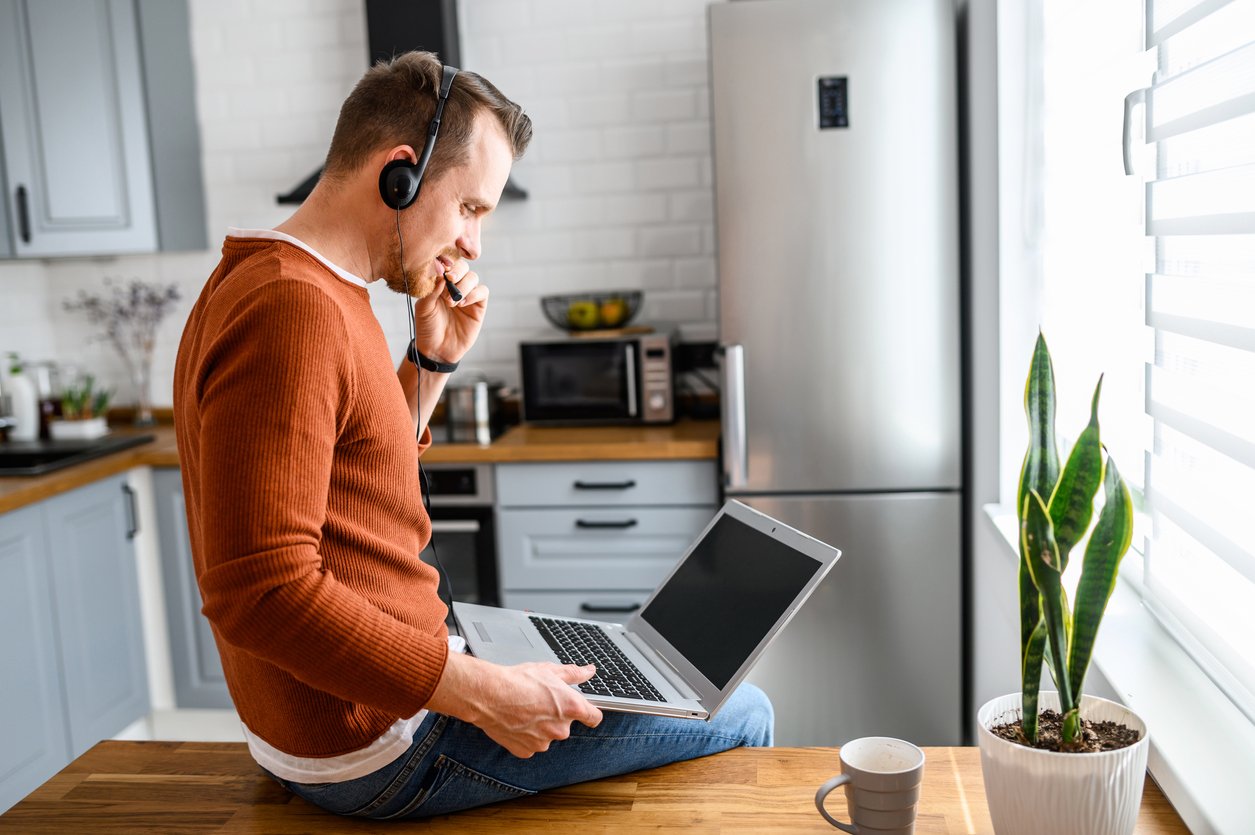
584,643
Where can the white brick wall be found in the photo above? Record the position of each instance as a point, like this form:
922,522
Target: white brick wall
618,172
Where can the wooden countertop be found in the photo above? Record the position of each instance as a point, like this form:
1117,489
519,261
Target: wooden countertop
685,439
138,787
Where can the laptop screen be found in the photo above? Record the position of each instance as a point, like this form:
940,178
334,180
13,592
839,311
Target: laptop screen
727,595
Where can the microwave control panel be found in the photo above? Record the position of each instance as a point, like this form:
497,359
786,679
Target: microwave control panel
657,387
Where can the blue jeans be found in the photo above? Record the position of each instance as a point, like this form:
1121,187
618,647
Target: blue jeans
453,765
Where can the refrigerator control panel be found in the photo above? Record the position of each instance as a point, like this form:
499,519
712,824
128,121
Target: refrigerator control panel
834,103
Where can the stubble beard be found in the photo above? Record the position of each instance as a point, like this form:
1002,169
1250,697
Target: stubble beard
420,286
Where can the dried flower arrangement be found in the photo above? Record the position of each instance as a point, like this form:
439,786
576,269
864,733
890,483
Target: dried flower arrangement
129,314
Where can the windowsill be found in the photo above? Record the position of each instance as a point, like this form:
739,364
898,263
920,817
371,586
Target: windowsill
1201,745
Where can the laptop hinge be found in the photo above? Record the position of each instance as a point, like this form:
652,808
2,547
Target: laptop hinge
668,670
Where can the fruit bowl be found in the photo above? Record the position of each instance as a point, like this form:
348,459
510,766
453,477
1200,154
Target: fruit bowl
591,311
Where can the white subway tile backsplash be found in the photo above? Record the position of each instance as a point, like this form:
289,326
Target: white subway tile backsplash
631,141
568,145
604,244
574,212
671,240
663,105
666,173
635,208
693,273
689,138
597,110
691,205
603,177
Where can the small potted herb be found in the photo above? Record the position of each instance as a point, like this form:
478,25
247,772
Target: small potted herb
83,410
1079,766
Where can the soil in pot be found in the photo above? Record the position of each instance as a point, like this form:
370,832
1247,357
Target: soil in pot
1095,736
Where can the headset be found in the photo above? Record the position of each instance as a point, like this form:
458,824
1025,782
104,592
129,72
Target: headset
400,180
399,184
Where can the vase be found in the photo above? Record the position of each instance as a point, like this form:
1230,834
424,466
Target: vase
1053,793
141,376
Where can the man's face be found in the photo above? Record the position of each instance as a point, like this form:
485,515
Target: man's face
443,226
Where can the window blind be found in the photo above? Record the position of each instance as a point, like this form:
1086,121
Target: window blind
1198,560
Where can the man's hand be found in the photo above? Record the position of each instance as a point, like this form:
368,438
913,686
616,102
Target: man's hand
522,708
444,329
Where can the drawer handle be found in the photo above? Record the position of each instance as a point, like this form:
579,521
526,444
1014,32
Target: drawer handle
605,485
609,609
587,523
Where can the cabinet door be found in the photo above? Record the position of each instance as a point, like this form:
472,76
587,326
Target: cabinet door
32,713
198,678
594,548
75,136
97,605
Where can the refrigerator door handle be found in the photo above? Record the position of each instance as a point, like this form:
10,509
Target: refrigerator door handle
735,448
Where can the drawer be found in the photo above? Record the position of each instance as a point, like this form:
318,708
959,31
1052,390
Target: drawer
607,483
594,548
611,607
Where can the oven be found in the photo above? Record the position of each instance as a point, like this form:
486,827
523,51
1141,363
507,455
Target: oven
463,530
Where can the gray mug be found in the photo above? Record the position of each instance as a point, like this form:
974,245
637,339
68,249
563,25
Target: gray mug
882,777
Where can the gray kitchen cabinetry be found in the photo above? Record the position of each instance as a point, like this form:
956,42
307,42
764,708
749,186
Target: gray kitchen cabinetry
101,150
198,678
593,539
72,644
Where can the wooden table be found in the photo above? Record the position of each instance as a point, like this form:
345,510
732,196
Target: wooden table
186,787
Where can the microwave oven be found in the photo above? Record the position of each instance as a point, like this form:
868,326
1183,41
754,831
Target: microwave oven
598,380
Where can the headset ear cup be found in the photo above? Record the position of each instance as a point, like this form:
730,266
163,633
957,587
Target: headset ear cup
398,184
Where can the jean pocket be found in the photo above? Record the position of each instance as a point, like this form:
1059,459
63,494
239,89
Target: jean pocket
453,787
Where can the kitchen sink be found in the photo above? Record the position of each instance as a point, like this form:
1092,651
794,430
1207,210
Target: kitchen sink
39,457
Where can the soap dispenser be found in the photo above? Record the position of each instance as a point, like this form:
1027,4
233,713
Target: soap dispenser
24,402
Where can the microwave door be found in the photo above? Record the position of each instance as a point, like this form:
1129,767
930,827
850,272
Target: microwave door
580,382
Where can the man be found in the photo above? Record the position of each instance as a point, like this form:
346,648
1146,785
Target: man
300,469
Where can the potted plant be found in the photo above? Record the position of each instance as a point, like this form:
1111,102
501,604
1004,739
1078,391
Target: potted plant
82,412
1080,766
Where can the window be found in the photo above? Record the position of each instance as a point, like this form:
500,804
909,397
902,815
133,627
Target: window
1150,279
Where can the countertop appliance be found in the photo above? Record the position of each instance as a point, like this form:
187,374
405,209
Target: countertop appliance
836,188
598,378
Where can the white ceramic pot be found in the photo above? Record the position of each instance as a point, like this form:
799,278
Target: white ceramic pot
78,430
1033,792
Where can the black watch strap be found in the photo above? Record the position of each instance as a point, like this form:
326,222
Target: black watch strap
427,363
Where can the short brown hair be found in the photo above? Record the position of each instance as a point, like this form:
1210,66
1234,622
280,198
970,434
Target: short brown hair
394,102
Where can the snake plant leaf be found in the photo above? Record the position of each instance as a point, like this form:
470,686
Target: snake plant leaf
1106,548
1040,470
1072,502
1037,541
1067,620
1030,676
1071,726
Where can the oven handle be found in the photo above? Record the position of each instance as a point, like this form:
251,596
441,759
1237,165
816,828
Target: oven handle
630,356
454,526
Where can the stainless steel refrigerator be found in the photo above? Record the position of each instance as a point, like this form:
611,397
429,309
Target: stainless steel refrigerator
836,185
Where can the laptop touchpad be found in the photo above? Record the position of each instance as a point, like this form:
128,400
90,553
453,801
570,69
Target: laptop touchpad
502,635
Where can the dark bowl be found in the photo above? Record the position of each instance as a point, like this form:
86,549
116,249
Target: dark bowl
591,311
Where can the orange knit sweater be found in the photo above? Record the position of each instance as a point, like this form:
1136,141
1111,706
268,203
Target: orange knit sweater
300,476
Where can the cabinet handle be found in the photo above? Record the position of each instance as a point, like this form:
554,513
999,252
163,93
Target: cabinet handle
609,609
23,216
132,522
585,523
605,485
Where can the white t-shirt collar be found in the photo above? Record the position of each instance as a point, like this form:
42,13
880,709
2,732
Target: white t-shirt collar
275,235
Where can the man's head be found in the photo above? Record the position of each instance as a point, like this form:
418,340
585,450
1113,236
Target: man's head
386,117
394,102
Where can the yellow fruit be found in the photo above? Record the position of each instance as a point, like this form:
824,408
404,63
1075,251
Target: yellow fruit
582,315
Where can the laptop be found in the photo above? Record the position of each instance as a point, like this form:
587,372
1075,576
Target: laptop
696,637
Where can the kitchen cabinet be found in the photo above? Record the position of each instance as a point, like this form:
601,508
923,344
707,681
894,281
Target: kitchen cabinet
198,678
72,644
593,539
84,85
